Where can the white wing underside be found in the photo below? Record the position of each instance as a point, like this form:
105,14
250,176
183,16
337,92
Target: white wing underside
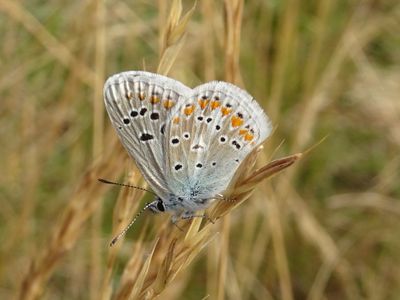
215,144
186,142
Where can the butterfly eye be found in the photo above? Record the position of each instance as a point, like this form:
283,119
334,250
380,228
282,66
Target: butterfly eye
160,206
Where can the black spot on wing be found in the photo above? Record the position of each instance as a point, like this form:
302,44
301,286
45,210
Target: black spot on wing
146,137
143,111
154,116
175,141
236,144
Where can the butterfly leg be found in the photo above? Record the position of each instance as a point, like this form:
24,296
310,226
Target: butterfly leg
190,215
174,220
223,198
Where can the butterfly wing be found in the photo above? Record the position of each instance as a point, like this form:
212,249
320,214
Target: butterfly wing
210,134
138,104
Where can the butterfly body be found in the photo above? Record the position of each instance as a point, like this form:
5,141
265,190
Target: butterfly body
187,143
180,205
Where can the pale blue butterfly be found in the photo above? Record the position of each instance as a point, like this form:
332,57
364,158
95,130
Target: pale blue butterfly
187,143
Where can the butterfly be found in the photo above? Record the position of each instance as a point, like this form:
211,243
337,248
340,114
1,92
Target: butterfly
187,143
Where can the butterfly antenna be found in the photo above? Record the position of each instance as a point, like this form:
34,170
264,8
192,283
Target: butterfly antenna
126,185
116,238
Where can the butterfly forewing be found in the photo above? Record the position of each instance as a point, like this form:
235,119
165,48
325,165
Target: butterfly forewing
210,134
138,104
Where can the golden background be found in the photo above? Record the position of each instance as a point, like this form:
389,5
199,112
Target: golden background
325,228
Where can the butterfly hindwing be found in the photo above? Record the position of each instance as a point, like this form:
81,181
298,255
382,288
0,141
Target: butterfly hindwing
138,104
210,134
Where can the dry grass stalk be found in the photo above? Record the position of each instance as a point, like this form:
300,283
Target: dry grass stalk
173,36
56,48
328,227
66,232
233,24
172,251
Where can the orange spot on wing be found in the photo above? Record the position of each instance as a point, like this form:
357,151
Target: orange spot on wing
243,131
154,99
176,120
142,96
168,103
188,110
129,95
236,121
203,103
226,111
215,104
248,137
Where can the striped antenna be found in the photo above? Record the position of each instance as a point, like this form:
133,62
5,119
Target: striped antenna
125,185
116,238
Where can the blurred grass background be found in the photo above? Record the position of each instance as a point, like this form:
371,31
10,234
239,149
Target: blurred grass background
326,228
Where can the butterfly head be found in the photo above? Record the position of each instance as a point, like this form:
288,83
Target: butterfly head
157,206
